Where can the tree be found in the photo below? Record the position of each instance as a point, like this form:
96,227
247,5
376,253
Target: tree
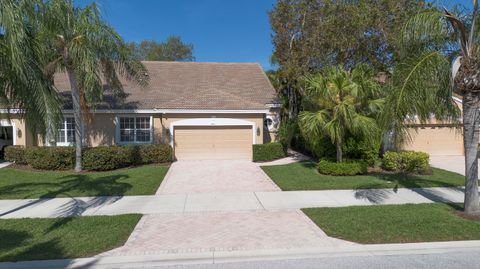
23,85
77,41
309,35
426,79
340,103
173,49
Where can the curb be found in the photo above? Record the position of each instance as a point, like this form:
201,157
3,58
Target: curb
212,257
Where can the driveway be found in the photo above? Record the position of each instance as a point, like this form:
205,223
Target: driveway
212,176
225,231
450,163
223,228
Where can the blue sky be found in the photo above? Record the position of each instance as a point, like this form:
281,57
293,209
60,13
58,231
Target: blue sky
220,30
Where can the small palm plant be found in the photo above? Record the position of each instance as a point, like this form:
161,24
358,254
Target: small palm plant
340,103
77,41
440,57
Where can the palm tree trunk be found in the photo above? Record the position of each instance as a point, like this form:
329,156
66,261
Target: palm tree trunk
77,114
471,117
339,152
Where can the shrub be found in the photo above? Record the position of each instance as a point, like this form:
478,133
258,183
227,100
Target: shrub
108,157
406,161
50,158
153,153
346,168
268,152
15,154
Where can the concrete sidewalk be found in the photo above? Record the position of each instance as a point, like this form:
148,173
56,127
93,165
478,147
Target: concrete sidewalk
222,202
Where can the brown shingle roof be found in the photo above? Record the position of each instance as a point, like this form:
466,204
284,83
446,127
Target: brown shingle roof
192,85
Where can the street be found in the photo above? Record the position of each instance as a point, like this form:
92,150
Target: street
436,260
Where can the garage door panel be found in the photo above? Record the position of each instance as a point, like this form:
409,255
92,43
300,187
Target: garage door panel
213,142
436,141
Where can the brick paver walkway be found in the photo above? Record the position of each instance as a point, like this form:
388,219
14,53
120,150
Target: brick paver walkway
185,233
215,176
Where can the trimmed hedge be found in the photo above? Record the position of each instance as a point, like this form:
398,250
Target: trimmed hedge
346,168
114,157
50,158
268,152
156,153
15,154
97,158
107,157
406,161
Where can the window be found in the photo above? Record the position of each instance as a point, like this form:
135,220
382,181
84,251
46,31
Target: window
135,129
66,132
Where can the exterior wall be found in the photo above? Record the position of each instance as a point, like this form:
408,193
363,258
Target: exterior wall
101,131
23,135
271,135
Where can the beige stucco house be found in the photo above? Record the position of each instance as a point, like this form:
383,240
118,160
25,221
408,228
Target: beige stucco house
204,110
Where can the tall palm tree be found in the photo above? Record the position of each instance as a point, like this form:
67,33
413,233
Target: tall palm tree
77,41
23,85
338,103
441,57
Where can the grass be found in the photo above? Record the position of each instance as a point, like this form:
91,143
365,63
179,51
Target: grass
38,239
21,184
304,176
395,223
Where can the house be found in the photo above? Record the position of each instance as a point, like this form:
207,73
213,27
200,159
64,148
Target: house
204,110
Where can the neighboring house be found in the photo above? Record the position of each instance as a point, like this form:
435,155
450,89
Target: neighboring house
437,138
204,110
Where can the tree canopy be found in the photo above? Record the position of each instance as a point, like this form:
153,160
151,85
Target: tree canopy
173,49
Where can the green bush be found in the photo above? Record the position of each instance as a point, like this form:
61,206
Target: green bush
113,157
362,149
15,154
406,161
50,158
154,153
108,157
346,168
268,152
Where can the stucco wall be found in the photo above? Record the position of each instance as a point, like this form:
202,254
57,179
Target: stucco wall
23,135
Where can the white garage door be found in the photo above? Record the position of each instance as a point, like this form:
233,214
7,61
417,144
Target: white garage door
213,142
436,141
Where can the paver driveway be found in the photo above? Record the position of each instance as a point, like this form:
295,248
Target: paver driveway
215,176
229,229
161,234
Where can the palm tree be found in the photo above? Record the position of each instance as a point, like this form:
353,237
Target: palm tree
338,103
77,41
23,85
426,79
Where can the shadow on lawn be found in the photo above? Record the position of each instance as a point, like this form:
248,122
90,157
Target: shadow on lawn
378,192
101,188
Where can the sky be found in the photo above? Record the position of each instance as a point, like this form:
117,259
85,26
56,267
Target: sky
220,30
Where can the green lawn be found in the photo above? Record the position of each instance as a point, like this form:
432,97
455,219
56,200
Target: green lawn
395,223
20,184
304,176
38,239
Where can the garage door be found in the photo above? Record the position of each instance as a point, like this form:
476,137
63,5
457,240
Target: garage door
215,142
436,141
